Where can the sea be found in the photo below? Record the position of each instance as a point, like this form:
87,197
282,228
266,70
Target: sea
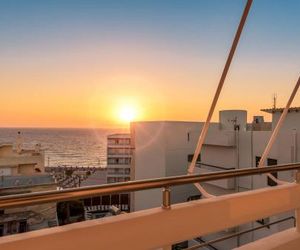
65,146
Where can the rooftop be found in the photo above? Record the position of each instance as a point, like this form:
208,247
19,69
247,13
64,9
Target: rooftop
3,145
119,135
26,181
280,110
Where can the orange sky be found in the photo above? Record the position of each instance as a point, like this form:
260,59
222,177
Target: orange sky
163,59
92,100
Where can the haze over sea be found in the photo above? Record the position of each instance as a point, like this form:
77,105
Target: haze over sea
62,146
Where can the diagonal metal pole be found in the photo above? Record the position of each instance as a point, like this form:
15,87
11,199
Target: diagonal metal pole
217,94
275,132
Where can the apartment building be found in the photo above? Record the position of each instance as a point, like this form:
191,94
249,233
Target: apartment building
119,155
165,148
119,158
22,171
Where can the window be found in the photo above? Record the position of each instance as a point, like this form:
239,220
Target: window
117,171
106,200
111,180
125,202
76,208
115,199
110,161
12,227
124,199
119,161
257,159
120,179
87,202
194,197
190,158
96,201
23,226
111,151
111,142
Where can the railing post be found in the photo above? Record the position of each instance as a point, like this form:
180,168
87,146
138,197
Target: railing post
297,212
166,198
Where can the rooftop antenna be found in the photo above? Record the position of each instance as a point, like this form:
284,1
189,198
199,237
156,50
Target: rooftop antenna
274,101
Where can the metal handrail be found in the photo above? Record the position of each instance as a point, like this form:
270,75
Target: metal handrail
212,166
130,186
204,244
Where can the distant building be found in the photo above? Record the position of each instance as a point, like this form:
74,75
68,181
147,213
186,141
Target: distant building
22,171
119,156
24,162
166,148
98,206
119,153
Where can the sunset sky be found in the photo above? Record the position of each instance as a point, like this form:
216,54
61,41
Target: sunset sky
78,63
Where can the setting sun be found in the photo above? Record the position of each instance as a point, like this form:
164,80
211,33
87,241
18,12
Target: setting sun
127,113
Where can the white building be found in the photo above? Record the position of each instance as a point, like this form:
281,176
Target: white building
119,156
23,171
119,153
165,148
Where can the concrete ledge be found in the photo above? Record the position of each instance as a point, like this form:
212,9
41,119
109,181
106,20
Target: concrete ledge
153,228
285,240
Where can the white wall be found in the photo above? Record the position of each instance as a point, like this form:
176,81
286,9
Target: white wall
161,149
148,161
291,121
229,118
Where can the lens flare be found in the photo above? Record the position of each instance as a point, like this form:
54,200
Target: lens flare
127,113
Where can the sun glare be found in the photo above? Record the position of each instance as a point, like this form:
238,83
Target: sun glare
127,113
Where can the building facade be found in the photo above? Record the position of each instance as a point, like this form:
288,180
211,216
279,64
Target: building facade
23,171
119,155
119,158
166,149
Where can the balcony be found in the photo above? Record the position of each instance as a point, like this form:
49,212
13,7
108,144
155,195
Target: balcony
160,227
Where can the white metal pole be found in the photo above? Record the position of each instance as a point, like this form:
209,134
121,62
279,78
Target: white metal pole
217,94
276,130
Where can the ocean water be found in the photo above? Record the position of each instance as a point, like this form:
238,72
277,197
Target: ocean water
76,147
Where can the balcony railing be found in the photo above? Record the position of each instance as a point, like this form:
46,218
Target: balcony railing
230,236
131,186
160,227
